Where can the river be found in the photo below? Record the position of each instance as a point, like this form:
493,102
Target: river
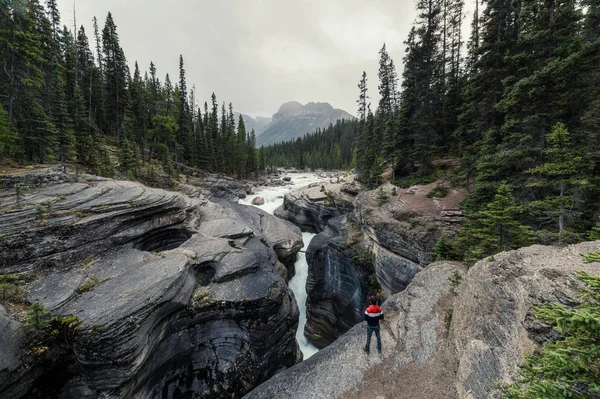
273,197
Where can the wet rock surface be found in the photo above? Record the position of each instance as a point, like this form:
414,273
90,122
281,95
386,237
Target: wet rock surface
177,296
441,344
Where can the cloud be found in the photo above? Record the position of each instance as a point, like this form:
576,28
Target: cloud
258,54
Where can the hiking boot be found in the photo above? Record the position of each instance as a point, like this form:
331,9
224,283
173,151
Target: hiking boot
379,350
366,350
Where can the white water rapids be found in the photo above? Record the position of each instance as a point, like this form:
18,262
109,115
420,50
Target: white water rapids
273,197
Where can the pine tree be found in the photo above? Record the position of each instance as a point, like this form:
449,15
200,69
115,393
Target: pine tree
127,158
54,16
362,140
115,78
422,91
494,229
98,40
184,119
138,108
242,155
37,320
9,144
252,162
562,177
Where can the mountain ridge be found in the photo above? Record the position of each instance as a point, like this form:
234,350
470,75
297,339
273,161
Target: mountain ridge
293,120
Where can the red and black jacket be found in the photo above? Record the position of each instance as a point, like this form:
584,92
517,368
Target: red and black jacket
373,314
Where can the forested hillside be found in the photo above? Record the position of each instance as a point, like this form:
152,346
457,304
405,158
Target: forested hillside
329,148
521,110
64,97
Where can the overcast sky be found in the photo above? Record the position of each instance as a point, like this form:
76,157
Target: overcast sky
258,54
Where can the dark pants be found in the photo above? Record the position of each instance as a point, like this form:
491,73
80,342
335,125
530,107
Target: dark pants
370,331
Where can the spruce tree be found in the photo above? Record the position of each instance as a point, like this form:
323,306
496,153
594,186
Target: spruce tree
561,179
495,228
566,367
115,78
362,141
184,120
242,155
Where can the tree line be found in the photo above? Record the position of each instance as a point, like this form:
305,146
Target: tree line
328,148
62,100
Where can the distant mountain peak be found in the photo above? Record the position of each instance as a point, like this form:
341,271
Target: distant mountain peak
294,120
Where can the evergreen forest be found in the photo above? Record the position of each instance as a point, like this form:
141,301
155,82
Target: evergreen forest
517,102
65,98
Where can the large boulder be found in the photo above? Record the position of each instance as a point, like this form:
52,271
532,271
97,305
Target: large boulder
177,296
280,235
446,342
310,214
216,186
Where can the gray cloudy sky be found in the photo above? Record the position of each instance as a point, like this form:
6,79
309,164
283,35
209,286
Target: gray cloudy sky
258,54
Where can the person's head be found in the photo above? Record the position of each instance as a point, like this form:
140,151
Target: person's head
373,300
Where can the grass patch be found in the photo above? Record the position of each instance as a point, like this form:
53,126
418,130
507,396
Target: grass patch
89,284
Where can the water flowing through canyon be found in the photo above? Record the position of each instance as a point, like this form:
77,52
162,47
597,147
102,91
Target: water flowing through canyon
273,197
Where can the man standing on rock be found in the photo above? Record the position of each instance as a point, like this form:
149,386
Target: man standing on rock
372,315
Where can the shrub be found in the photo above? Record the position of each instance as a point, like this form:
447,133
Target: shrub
364,258
40,212
455,280
11,287
444,250
88,285
569,366
438,191
381,196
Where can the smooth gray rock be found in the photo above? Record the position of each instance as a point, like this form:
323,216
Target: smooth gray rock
216,186
394,272
412,331
440,344
308,215
282,236
11,341
492,322
177,296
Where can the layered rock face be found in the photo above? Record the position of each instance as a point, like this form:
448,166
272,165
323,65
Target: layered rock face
441,343
178,296
308,214
377,240
336,286
215,186
402,238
